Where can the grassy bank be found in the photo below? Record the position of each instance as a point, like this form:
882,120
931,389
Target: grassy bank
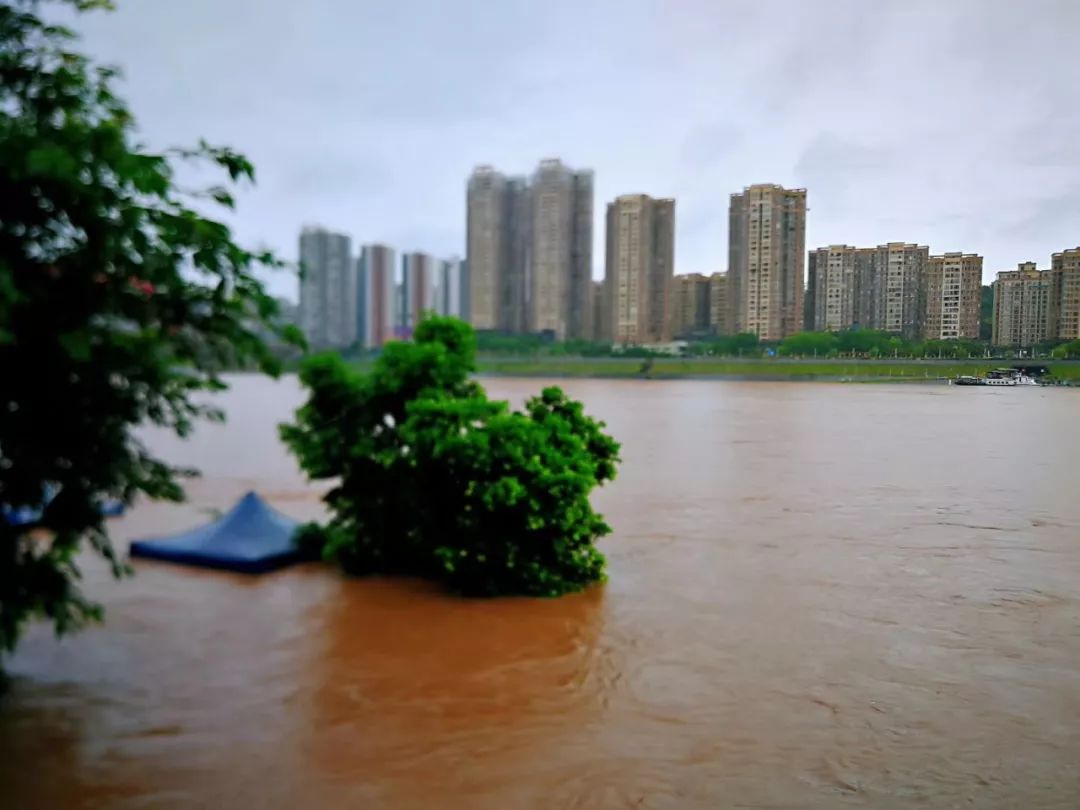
674,368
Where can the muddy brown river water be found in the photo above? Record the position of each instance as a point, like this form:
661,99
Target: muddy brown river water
821,596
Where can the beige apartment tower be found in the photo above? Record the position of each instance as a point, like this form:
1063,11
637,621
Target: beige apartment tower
489,237
1065,305
640,261
719,310
953,294
1023,306
689,305
559,297
766,260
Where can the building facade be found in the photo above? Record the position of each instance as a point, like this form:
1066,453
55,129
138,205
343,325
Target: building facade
689,305
1022,306
833,288
640,259
719,308
1065,314
529,251
894,299
378,300
497,231
418,280
766,260
560,275
328,289
953,293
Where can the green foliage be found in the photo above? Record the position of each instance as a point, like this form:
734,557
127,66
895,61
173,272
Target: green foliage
437,480
520,345
118,303
806,344
1067,351
870,343
744,344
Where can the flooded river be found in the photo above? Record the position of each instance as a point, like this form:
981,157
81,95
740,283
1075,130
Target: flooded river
821,596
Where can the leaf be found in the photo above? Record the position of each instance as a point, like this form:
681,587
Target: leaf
52,162
222,197
76,344
294,336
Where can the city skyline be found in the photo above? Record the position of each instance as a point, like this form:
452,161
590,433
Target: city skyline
364,300
750,98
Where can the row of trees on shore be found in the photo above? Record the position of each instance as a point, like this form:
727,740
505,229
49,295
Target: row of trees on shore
868,343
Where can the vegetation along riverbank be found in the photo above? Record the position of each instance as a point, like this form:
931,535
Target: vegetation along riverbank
752,369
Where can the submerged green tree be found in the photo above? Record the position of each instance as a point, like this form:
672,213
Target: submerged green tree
119,303
436,480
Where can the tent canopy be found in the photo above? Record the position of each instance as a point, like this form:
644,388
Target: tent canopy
250,538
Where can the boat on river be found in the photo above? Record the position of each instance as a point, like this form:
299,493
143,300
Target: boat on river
1017,375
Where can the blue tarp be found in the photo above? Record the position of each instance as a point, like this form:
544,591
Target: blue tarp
26,514
251,538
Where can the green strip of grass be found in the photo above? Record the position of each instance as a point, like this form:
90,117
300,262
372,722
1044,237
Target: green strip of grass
775,369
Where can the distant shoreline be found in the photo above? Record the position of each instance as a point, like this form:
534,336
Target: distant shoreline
805,378
780,369
764,370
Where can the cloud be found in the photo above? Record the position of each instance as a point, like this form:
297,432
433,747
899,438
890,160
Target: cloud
949,123
706,144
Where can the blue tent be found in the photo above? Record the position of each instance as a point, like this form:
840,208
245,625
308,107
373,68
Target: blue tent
251,538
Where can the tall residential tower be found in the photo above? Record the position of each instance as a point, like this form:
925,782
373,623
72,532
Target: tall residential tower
377,301
1022,306
529,251
328,289
766,260
560,289
639,268
1066,302
953,294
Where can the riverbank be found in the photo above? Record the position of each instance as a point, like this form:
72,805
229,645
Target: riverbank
772,369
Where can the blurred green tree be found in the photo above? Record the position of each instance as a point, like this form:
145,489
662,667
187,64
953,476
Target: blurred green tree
436,480
119,305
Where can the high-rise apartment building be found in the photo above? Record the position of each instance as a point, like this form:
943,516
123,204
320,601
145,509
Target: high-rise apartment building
892,294
689,305
639,267
450,288
1022,306
377,301
1065,267
953,294
834,286
719,309
418,279
328,289
560,273
497,244
766,260
529,251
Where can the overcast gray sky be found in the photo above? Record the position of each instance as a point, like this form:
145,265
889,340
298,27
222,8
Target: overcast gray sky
953,123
